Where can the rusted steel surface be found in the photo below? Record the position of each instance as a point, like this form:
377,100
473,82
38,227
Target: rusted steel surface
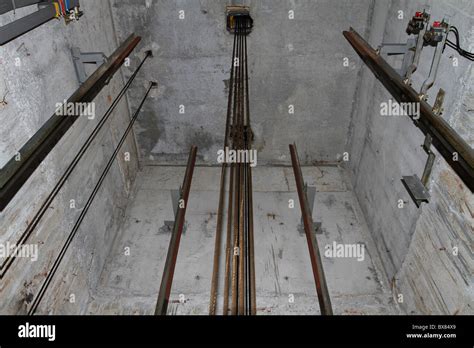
171,257
315,256
454,149
239,277
251,246
220,209
228,248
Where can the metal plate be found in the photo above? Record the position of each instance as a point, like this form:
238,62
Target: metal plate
418,193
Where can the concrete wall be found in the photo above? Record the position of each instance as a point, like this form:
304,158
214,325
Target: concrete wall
130,281
291,62
297,62
417,246
46,76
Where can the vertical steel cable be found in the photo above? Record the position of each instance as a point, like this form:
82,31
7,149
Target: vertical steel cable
251,257
239,258
217,245
235,139
49,199
84,210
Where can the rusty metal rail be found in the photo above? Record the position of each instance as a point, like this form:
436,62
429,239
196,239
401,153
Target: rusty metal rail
171,257
220,209
454,149
239,277
16,172
316,263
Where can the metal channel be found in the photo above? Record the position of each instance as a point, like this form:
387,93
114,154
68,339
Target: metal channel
315,256
172,256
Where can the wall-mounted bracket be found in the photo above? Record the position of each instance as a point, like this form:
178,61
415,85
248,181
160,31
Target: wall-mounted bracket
418,193
310,193
395,49
176,196
445,139
418,189
436,36
438,104
411,50
81,58
425,179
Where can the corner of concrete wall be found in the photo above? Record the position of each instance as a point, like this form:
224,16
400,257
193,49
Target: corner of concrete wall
45,77
416,245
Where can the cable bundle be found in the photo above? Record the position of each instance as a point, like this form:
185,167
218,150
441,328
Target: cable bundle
456,46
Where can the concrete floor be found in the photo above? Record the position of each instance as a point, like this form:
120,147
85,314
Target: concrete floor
130,281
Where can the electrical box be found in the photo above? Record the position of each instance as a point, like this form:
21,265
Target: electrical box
234,11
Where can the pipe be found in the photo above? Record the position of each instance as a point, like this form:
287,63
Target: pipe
316,263
15,173
171,257
453,148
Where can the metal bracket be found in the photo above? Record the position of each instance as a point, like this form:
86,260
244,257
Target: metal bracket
411,50
429,162
441,29
80,58
418,193
310,193
438,104
395,49
418,189
176,196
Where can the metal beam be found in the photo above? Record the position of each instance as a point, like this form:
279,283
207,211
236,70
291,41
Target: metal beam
454,149
15,173
315,256
171,257
12,5
21,26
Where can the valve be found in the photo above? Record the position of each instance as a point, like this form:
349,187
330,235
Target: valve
436,33
417,23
